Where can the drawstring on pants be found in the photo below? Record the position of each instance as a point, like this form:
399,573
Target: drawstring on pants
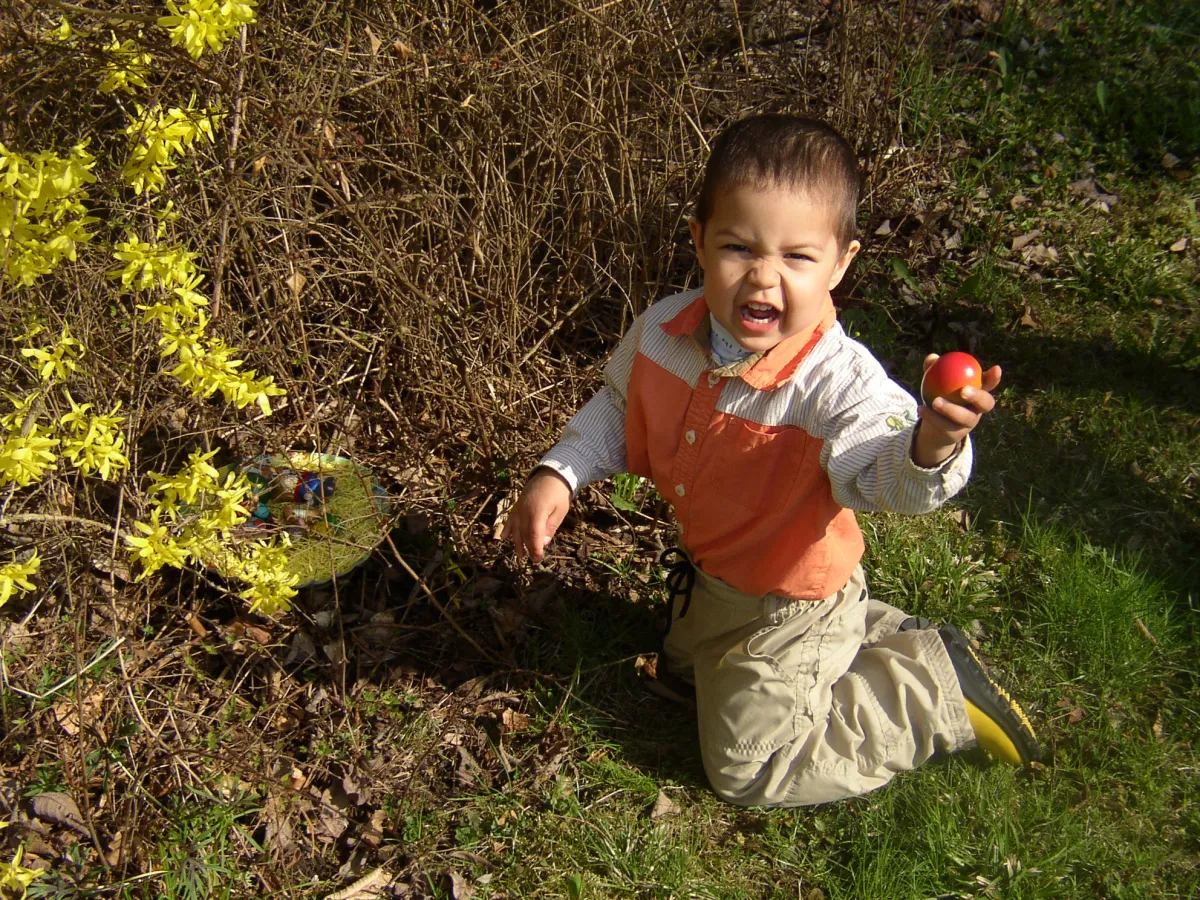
681,578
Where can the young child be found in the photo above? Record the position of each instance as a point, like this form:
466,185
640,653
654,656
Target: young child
765,426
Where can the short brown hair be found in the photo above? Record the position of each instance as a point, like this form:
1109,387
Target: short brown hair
780,150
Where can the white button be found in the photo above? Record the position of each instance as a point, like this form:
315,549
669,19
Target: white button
713,379
679,490
690,437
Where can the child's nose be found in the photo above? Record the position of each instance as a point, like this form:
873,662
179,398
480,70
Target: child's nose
763,275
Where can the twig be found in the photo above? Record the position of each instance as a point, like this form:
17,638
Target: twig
434,600
70,679
1146,631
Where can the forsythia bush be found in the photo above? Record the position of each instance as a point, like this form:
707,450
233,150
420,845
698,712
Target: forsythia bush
43,221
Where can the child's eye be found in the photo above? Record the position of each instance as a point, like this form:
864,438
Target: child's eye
736,248
801,256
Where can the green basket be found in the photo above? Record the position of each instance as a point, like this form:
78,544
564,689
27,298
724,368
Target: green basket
332,508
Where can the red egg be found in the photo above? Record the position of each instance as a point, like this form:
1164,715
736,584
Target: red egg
949,375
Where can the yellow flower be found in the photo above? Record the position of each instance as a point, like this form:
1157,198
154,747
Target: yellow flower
156,137
127,67
202,23
42,216
58,362
14,578
25,458
157,548
93,443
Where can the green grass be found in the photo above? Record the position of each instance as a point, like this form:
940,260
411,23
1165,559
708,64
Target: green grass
1077,564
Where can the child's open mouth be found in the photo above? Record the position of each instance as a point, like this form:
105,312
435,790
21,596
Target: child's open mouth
760,317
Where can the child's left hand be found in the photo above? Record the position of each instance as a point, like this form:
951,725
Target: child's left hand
949,422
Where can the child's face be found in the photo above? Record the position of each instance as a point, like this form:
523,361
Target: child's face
770,258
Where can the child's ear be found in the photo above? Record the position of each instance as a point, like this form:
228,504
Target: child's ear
844,263
696,227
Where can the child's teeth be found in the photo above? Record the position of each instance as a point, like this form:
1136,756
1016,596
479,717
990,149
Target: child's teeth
761,307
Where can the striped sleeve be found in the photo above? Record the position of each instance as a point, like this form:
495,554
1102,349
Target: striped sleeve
867,452
592,446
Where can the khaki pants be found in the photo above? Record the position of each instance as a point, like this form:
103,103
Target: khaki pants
804,702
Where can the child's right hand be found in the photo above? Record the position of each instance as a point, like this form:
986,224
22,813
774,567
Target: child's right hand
537,514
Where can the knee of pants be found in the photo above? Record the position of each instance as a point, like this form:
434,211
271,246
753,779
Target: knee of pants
739,783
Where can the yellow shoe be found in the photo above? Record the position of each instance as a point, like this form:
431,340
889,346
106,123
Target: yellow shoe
1001,726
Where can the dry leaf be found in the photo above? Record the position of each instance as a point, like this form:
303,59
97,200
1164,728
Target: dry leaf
514,721
1170,161
296,282
1020,243
647,666
502,508
376,43
72,719
297,779
460,889
885,229
1040,255
1075,716
369,886
664,806
280,834
330,133
402,48
331,823
260,164
59,808
1027,318
112,856
1157,728
1088,189
1018,202
1180,245
962,518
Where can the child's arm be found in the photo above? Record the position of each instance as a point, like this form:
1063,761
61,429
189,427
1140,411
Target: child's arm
874,452
948,423
592,448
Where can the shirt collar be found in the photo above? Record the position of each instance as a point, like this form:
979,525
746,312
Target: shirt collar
762,371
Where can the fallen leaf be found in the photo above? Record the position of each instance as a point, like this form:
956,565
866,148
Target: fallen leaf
373,834
1090,190
514,721
296,282
962,518
664,806
112,856
369,886
331,823
297,779
1019,202
1180,245
1020,243
1075,716
1170,161
647,666
954,241
1157,728
460,889
402,48
1031,406
72,718
885,229
260,164
281,836
376,43
1040,255
59,808
1027,318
